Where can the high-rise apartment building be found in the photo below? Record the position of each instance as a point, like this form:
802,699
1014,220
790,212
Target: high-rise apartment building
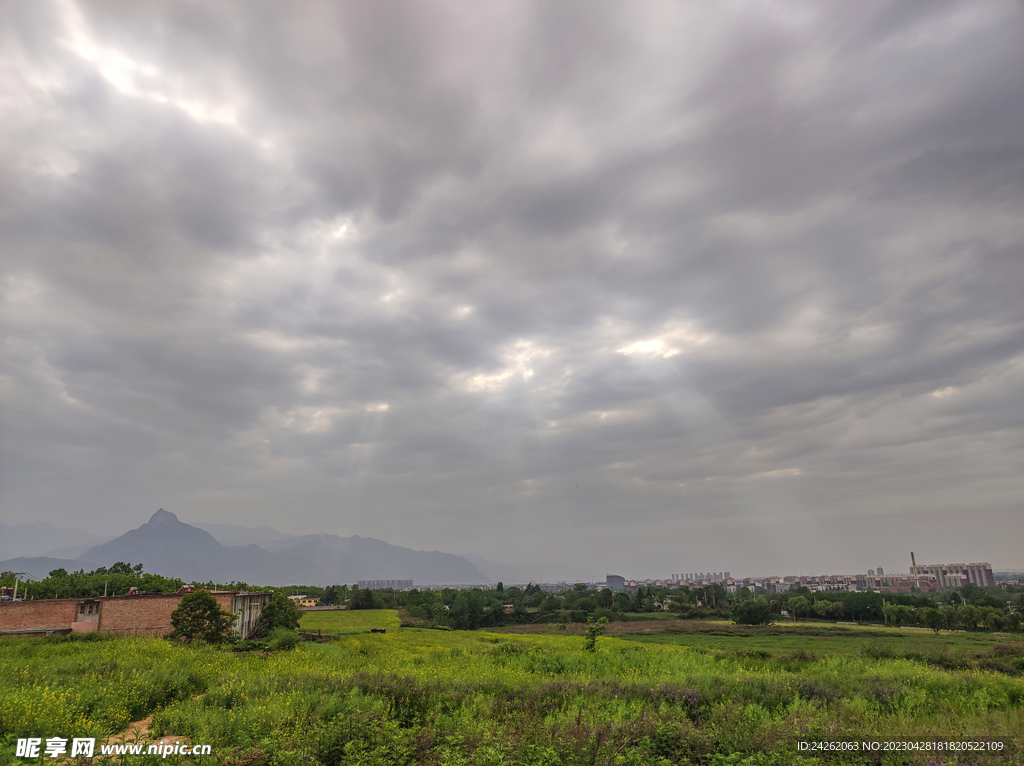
957,575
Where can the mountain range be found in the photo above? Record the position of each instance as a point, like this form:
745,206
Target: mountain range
41,538
164,545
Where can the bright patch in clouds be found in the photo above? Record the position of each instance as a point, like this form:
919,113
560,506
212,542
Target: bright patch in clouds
778,473
518,362
310,419
675,340
653,347
139,80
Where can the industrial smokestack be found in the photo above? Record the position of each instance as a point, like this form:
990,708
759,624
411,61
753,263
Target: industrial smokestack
913,563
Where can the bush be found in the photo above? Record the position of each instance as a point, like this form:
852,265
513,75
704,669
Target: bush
282,638
595,628
279,612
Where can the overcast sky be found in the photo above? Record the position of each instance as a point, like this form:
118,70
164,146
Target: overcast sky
646,288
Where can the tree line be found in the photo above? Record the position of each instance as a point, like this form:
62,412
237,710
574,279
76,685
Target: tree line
116,580
968,608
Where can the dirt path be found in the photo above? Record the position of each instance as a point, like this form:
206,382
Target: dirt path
138,731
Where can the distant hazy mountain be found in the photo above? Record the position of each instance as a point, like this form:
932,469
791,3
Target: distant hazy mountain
233,534
164,545
74,551
41,538
347,559
496,571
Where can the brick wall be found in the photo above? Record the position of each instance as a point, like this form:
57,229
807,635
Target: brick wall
138,615
35,615
145,615
148,615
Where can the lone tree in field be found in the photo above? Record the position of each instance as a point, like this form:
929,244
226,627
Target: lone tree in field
200,620
595,628
279,612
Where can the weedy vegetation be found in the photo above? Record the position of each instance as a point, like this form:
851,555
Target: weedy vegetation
710,694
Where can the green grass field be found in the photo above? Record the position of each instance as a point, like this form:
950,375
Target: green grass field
996,651
344,621
707,694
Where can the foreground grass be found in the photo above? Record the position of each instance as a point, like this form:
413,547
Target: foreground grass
424,696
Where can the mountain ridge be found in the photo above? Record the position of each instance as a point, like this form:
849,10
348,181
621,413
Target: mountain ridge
167,546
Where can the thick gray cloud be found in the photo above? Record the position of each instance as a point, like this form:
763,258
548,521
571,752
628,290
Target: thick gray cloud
653,289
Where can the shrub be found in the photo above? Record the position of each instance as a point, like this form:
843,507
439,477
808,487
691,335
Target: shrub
282,638
279,612
595,628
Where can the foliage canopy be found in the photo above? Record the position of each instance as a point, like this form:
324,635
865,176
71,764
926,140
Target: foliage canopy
200,620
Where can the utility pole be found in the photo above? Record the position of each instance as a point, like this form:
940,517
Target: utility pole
17,579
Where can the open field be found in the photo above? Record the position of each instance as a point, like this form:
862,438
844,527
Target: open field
1003,652
344,621
444,697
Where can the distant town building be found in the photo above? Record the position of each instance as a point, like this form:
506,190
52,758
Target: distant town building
381,584
926,578
615,582
956,575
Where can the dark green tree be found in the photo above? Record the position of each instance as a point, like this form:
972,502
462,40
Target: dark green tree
279,612
200,620
822,607
550,604
753,611
930,618
969,617
1013,621
439,614
125,568
467,612
363,598
799,606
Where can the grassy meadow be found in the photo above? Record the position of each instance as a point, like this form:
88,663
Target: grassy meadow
699,693
345,622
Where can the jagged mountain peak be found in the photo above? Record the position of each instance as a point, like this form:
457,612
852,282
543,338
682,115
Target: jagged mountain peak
165,545
163,517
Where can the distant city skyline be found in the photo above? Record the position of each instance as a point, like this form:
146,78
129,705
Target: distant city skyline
656,287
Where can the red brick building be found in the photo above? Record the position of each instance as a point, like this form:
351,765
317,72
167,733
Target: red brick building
135,615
